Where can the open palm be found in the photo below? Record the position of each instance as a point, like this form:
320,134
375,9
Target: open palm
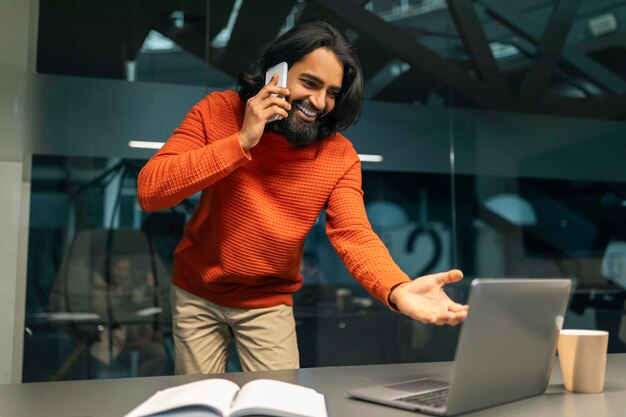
425,300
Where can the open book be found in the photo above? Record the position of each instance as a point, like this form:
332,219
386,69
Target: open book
224,398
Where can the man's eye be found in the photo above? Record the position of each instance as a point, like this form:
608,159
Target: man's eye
333,94
308,83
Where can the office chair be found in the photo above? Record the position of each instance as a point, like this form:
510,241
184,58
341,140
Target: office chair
112,294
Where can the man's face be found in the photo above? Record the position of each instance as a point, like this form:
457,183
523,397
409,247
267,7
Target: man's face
314,83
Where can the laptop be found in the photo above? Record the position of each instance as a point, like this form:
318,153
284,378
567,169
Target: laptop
505,350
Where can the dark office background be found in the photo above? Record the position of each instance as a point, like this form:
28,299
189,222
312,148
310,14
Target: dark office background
500,124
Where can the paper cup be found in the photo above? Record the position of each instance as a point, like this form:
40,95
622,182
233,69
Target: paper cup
582,355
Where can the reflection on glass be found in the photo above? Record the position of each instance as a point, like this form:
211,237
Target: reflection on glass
99,275
98,286
111,293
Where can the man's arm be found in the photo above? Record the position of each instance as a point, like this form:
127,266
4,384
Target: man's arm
370,263
189,161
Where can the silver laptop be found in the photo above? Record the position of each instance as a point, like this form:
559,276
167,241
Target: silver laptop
505,350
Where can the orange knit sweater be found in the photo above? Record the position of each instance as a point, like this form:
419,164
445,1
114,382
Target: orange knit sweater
243,245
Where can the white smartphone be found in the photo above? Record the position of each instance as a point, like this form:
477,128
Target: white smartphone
280,69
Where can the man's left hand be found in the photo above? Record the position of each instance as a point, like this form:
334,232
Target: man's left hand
424,299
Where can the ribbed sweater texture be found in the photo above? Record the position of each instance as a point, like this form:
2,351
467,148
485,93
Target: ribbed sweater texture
243,245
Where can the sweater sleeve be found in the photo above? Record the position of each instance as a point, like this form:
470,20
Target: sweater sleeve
190,161
364,254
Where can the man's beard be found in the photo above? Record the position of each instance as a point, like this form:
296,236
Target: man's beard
297,131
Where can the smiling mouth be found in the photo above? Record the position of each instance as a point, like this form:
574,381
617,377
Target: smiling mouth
309,115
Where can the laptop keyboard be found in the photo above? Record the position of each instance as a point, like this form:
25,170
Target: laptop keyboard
432,399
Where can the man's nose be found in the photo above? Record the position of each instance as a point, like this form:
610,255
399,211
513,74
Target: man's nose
318,100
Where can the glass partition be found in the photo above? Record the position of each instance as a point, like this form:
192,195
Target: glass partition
98,273
539,180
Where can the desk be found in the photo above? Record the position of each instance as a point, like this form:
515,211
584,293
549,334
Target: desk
115,397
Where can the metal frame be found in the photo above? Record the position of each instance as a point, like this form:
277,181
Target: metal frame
477,45
548,51
570,55
407,49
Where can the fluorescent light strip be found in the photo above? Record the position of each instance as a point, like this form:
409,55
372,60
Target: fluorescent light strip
145,144
370,158
142,144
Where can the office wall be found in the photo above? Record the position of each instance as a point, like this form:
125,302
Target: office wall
16,37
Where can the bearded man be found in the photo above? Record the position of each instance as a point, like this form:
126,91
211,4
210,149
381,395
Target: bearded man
263,186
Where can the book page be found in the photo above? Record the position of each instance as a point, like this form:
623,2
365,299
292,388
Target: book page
213,394
193,411
277,398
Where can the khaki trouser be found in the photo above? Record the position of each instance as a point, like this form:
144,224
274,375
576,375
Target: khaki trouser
265,337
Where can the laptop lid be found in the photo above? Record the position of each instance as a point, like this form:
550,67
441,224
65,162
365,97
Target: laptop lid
505,351
508,341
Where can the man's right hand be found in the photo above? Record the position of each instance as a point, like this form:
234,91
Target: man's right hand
259,109
424,299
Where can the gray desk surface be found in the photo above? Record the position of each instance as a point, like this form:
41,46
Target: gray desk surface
115,397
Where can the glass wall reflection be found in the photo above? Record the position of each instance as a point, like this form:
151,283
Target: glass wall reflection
98,273
539,185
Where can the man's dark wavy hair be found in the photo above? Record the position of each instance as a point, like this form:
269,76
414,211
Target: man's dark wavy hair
291,47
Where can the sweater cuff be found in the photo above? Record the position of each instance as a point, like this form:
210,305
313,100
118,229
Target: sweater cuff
232,152
391,305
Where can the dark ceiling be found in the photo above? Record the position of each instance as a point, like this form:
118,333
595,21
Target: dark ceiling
563,57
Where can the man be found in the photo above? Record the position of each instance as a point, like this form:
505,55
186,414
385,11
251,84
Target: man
263,186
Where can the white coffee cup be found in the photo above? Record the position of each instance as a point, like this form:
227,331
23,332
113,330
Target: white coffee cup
582,355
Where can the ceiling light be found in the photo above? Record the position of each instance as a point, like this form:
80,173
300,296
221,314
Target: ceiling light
142,144
370,158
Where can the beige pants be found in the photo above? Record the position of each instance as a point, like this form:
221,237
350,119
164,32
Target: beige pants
265,337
